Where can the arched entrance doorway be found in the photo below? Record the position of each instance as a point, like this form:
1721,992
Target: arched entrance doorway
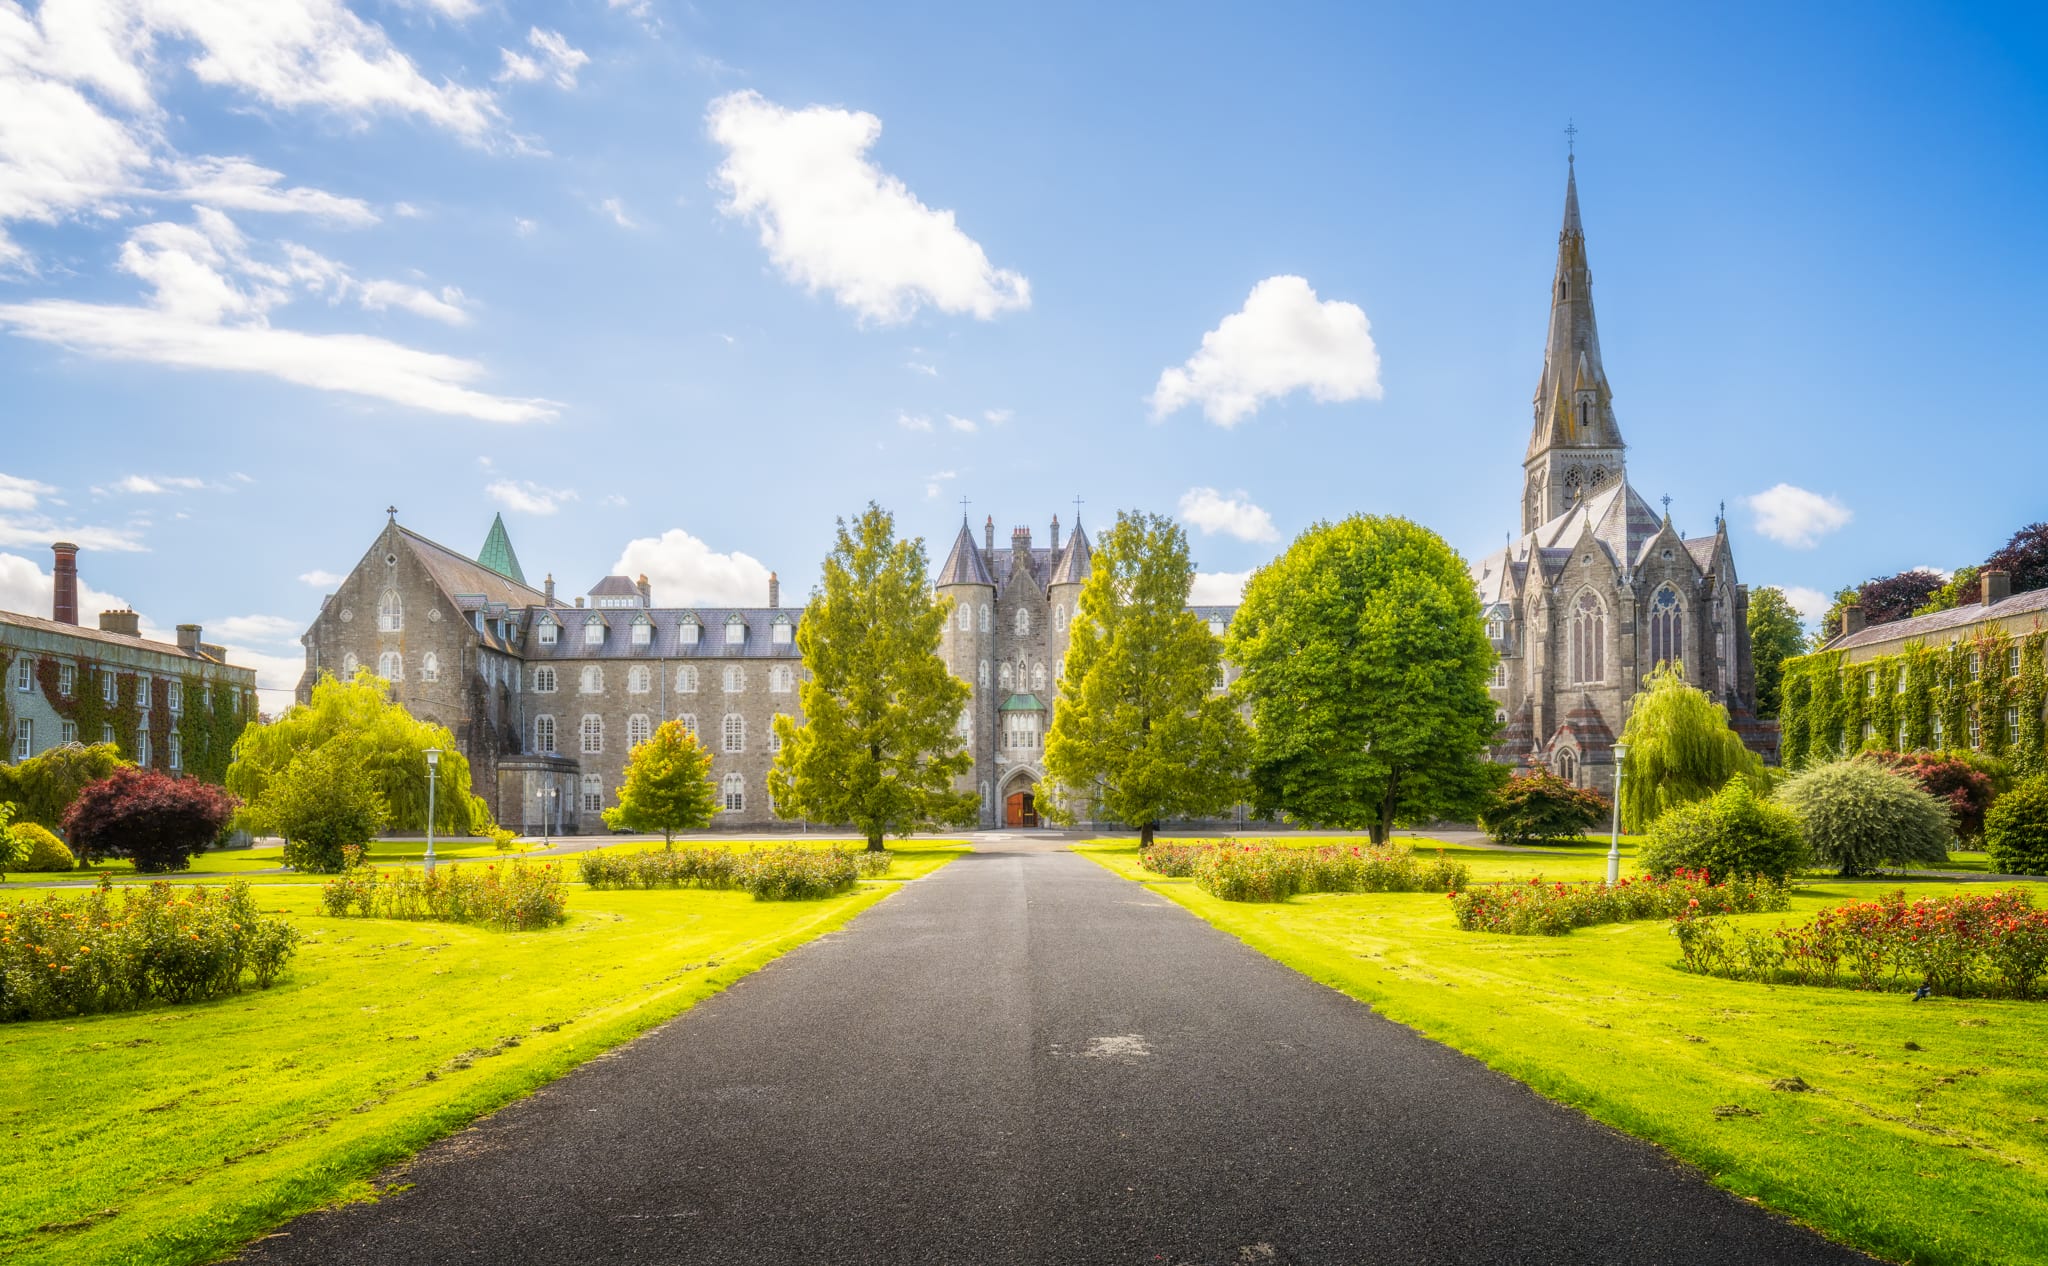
1020,801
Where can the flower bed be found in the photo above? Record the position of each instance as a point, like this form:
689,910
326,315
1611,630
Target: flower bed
1553,909
92,953
770,874
1265,871
1991,944
514,896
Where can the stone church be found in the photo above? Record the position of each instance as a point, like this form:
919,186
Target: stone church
1599,587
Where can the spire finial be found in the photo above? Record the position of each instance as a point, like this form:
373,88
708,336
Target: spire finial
1077,509
1571,139
963,512
392,511
1667,505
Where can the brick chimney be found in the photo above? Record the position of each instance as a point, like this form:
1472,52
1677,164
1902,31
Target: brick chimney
548,589
1054,543
1020,540
646,591
988,534
1852,620
774,590
120,622
64,590
1997,585
188,638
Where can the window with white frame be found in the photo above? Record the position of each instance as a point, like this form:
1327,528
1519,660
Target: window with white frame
1020,730
143,755
643,633
544,680
966,618
24,674
1006,677
1667,627
782,632
1217,628
1221,681
1588,640
348,673
67,732
984,617
174,695
1023,622
639,680
735,631
1500,673
1059,670
390,666
688,721
177,747
390,612
781,679
734,790
593,632
1976,734
67,678
2012,659
686,679
591,681
735,732
735,679
549,630
2012,726
1976,664
981,674
1870,683
543,733
1496,628
1038,676
593,733
638,729
24,738
430,667
965,725
686,632
593,794
1934,727
1899,682
1902,736
1059,618
106,733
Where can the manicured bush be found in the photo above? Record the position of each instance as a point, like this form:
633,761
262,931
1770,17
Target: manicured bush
152,818
1553,909
2016,829
1539,806
797,874
513,896
88,954
771,874
1265,871
1961,784
40,850
323,802
1859,817
1973,943
1734,833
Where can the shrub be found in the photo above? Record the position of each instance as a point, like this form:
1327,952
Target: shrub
89,954
1553,909
40,850
1961,784
1539,806
1265,871
2016,829
797,874
1173,861
514,896
322,803
1858,817
12,847
1732,834
770,874
156,820
43,786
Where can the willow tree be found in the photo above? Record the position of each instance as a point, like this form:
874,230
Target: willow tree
1680,749
379,736
1140,728
877,749
1366,663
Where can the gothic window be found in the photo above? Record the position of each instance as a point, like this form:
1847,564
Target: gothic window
1567,765
390,667
1588,638
639,680
1023,622
543,734
638,730
390,612
781,679
544,680
593,733
348,672
1599,477
688,721
966,725
1005,677
1667,627
1500,674
1059,618
686,679
1020,730
1038,676
966,618
593,632
735,679
593,793
735,732
735,791
593,680
984,617
981,674
1059,670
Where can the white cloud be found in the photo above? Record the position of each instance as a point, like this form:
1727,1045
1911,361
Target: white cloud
26,588
321,579
17,493
554,59
523,226
1234,515
528,497
238,184
459,10
936,481
1218,588
684,570
913,421
445,306
255,628
1283,340
150,485
996,417
1797,518
1811,604
919,367
617,211
832,220
958,423
406,211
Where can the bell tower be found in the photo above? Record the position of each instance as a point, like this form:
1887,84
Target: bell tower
1575,445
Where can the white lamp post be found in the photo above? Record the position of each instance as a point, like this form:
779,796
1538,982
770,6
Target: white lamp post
547,796
433,760
1614,840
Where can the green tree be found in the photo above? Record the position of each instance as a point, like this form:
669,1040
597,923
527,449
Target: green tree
323,801
13,847
43,786
668,785
1831,623
1141,729
1680,749
380,736
1859,816
877,749
1774,637
1365,663
1962,590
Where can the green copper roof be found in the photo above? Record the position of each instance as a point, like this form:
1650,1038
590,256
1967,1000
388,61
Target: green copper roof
1022,703
497,552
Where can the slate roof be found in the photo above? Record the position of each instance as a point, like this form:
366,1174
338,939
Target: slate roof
1077,561
1702,550
457,574
1211,612
615,587
964,566
1926,627
1622,523
37,624
497,553
666,641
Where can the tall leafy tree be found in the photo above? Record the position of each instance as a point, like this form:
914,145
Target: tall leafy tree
1774,637
1365,662
1888,598
1831,623
877,749
381,737
1141,729
2026,557
42,787
1962,590
1680,749
668,785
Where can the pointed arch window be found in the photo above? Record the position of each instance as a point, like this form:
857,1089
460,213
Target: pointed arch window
543,734
981,674
544,680
390,666
1038,677
640,680
735,732
1023,622
348,673
1588,640
984,617
390,612
430,667
1667,627
638,730
1059,618
593,680
686,679
688,721
1006,677
734,790
966,618
593,733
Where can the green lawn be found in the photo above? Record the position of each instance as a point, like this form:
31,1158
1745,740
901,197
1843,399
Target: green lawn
176,1133
1932,1155
229,863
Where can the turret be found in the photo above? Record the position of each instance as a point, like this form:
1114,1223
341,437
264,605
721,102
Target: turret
964,578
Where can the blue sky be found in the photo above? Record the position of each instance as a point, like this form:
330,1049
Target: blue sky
669,285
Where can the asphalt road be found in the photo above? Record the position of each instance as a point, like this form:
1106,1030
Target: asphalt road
1024,1059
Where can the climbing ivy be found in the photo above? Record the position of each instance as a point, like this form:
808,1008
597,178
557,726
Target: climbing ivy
208,722
1834,707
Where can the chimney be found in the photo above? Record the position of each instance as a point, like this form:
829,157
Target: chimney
774,590
188,638
988,534
1054,543
1020,540
120,622
646,592
1852,620
548,589
1997,585
579,603
64,574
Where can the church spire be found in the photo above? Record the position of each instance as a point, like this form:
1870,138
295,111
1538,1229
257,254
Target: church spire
497,552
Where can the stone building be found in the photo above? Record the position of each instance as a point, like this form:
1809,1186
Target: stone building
1598,587
177,707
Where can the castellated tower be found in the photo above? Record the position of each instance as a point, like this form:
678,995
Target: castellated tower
965,580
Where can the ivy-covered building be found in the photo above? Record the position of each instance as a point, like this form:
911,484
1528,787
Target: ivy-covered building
178,707
1599,588
1967,679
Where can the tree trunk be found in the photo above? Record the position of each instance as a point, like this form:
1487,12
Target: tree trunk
668,840
1385,826
1145,833
875,843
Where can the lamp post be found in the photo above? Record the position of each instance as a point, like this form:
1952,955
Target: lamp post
433,761
1614,839
547,796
